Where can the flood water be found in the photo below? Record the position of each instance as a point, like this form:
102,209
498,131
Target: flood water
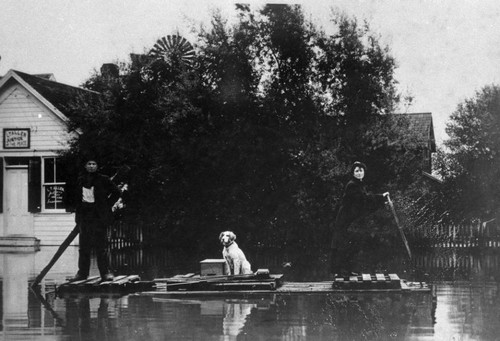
464,303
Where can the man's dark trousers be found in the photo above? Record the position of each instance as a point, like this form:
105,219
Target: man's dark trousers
93,236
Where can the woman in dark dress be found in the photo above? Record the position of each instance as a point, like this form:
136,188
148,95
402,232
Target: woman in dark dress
356,203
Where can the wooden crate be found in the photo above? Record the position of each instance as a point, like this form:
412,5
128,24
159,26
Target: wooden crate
213,267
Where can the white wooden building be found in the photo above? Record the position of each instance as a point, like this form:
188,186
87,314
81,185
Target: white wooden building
33,124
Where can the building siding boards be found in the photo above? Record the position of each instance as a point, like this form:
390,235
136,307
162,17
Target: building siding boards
21,110
53,228
22,106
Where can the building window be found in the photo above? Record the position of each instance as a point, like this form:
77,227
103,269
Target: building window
54,184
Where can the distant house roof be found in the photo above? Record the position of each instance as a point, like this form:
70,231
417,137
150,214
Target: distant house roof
56,94
49,76
421,123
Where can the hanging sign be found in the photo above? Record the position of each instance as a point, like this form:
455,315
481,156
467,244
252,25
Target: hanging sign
54,196
16,138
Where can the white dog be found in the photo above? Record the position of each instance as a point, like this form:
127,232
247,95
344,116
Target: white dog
236,262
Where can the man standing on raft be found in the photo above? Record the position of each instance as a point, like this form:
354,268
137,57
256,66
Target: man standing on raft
95,195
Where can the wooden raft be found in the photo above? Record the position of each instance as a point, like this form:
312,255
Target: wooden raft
120,284
191,284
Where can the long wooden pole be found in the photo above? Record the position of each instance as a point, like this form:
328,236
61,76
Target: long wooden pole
72,235
47,306
123,170
391,205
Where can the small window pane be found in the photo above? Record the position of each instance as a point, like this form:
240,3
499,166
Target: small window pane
49,170
61,173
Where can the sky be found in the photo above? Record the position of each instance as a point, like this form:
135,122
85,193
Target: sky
446,50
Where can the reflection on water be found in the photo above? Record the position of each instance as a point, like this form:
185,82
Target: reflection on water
467,311
460,265
315,317
465,285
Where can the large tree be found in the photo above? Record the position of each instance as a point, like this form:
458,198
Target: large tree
256,133
471,165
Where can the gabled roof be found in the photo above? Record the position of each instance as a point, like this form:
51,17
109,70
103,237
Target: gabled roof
421,123
49,76
55,95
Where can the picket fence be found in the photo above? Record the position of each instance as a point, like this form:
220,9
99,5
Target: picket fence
479,234
125,235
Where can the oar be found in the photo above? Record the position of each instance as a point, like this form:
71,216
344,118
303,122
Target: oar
391,205
56,256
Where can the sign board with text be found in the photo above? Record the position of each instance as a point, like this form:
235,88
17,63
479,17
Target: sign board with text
54,196
16,138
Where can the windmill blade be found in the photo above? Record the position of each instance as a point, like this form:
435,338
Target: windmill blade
173,47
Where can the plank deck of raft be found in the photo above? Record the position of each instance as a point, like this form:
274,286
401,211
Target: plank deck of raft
119,285
254,284
188,285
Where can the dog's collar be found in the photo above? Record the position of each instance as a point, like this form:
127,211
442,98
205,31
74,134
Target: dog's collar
228,245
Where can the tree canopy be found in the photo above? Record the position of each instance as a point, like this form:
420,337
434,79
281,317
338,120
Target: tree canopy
256,133
471,166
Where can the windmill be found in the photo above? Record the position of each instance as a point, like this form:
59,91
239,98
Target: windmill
173,48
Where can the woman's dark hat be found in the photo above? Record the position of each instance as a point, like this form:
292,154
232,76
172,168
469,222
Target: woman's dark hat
358,164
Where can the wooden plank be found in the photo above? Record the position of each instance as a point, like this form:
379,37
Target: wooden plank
82,281
244,286
176,280
122,284
117,278
94,281
236,277
366,277
394,277
223,282
77,285
140,286
181,278
185,285
126,280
